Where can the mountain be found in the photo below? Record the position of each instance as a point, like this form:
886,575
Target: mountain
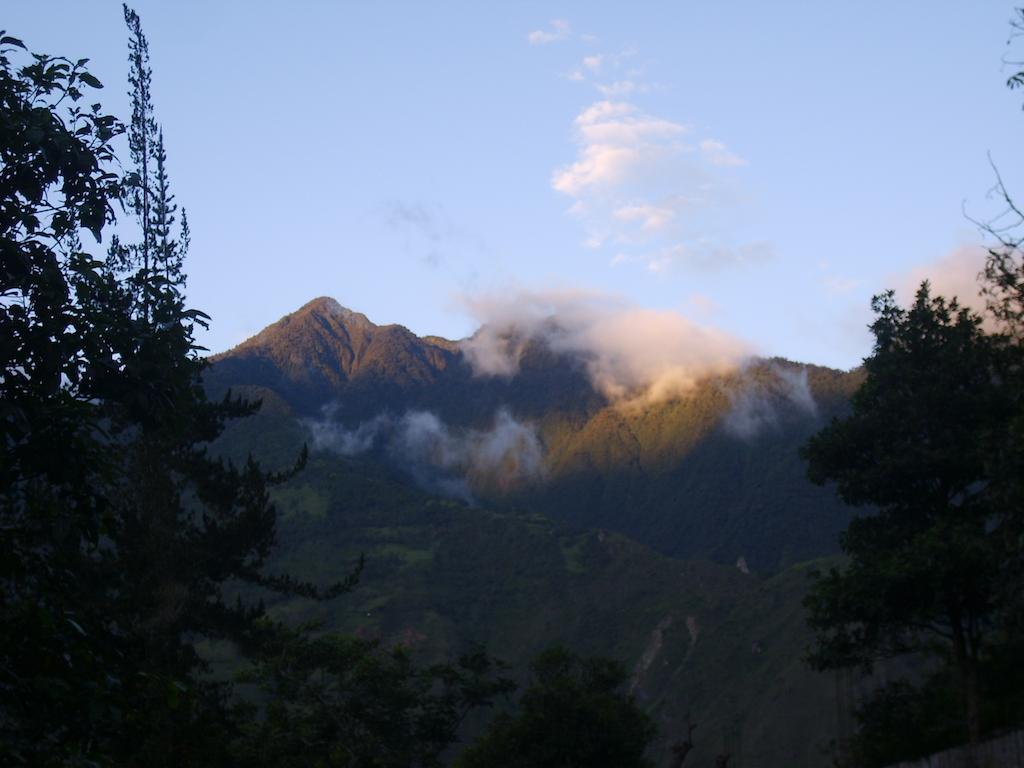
528,509
712,472
324,353
324,349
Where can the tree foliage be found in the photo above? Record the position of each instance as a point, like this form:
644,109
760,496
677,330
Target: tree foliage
120,531
926,567
60,348
573,714
338,700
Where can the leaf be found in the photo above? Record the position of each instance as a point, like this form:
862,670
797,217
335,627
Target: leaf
90,80
12,41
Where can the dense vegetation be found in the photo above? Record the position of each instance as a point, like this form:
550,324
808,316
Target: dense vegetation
572,714
698,636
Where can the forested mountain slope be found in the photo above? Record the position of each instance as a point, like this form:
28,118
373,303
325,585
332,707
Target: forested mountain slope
701,639
712,472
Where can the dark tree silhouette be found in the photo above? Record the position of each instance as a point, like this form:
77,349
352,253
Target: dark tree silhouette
926,567
573,713
119,529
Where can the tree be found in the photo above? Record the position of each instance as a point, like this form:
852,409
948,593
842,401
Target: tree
58,344
926,564
335,700
158,255
168,252
141,133
117,528
573,714
123,539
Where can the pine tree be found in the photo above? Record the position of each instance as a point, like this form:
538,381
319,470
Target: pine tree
141,132
161,248
168,252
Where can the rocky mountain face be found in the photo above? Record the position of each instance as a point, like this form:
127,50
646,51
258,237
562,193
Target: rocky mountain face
323,350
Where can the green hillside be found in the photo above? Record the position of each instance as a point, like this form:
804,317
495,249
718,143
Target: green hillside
672,476
702,639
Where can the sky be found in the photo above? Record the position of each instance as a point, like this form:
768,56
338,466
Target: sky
759,169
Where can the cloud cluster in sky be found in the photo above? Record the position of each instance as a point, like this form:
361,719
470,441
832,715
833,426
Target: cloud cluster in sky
556,31
618,145
647,189
630,354
448,461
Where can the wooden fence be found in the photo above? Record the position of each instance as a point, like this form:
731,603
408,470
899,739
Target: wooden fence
1006,751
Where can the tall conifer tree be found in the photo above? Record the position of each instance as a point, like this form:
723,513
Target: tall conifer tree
141,132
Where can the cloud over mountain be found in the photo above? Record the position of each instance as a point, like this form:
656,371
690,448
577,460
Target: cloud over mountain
629,353
756,405
449,461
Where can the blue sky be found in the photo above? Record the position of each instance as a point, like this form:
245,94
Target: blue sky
760,168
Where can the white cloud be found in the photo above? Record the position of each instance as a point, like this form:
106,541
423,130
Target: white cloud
757,404
577,209
652,190
645,186
617,142
630,354
622,123
718,154
558,30
598,165
620,82
707,255
702,305
454,462
955,274
651,217
660,264
619,88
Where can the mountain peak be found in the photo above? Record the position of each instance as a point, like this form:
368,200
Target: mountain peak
325,305
323,348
